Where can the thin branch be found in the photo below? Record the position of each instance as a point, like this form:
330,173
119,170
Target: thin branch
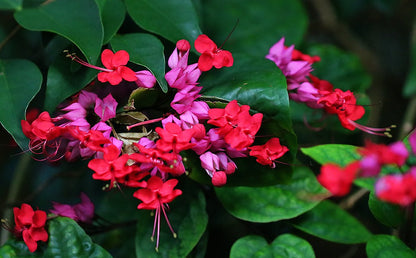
10,36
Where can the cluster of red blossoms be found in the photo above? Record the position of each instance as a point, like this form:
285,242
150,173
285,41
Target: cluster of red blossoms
394,188
83,129
316,93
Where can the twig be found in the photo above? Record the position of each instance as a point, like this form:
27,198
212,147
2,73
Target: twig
351,200
11,34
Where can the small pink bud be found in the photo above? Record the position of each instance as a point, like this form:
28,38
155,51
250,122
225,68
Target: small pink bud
183,45
219,178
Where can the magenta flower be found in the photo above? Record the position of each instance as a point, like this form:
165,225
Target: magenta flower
106,108
81,212
145,79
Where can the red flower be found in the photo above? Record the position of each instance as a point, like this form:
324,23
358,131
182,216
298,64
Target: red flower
236,124
211,55
344,105
116,70
155,197
174,138
111,167
268,152
336,179
41,128
31,225
299,56
397,188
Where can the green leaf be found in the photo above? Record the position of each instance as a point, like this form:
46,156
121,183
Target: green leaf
261,85
188,218
340,154
112,16
20,80
146,50
10,4
66,237
273,203
13,248
286,245
173,19
328,221
344,70
77,20
389,214
260,24
385,246
63,82
254,82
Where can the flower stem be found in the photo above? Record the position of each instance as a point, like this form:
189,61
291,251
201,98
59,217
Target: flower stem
16,185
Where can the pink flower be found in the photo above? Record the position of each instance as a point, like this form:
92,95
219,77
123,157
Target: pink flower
145,79
106,108
81,212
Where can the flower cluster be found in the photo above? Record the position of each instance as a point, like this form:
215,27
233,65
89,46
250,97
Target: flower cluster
88,127
316,93
395,188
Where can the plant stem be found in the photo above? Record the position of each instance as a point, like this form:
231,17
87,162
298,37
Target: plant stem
16,185
406,232
11,34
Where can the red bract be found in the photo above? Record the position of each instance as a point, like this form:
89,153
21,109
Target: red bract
155,197
116,69
336,179
174,138
111,167
211,55
31,225
236,124
268,152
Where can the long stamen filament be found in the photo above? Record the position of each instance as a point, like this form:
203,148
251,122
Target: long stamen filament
75,58
145,123
371,130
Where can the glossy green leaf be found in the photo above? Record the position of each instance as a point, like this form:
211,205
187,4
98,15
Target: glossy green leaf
188,218
173,19
260,24
385,246
146,50
20,80
112,16
63,82
273,203
254,82
340,154
286,245
261,85
328,221
389,214
10,4
14,248
77,20
66,237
